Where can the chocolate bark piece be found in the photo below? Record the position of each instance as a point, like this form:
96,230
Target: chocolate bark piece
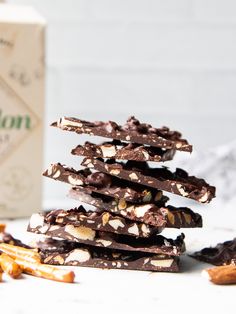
64,253
133,131
178,182
222,254
173,217
149,214
125,151
182,217
105,184
96,220
9,239
71,176
156,244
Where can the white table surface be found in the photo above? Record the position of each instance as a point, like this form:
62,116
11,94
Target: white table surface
117,291
123,291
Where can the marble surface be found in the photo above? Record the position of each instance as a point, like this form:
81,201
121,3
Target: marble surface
117,291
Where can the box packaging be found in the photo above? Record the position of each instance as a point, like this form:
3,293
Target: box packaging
21,110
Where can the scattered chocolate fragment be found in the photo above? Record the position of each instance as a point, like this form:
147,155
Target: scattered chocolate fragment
9,239
132,131
56,252
96,220
124,151
168,216
156,244
178,182
222,254
105,184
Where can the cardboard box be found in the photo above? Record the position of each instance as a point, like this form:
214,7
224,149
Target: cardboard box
21,110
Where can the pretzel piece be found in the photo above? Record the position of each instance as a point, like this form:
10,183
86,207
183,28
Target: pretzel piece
45,271
9,266
29,261
13,251
1,274
221,275
2,227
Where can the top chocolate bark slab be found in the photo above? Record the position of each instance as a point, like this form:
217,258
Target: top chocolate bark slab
132,131
178,182
124,151
222,254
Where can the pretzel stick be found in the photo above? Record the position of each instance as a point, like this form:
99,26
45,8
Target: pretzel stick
45,271
1,274
2,227
29,261
14,252
9,266
221,275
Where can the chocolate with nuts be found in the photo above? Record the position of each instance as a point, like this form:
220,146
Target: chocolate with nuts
156,244
178,182
133,131
222,254
126,151
149,214
168,216
105,184
67,253
9,239
96,220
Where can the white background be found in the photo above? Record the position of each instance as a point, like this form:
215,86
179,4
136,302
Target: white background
168,62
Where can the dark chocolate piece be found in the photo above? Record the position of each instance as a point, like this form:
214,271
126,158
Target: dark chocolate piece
178,182
147,213
96,220
156,244
221,254
123,151
133,131
65,253
182,217
9,239
105,184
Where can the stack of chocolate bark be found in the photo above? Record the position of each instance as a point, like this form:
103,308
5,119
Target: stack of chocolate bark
130,209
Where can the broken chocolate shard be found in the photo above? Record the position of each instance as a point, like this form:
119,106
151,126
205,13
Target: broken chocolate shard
133,131
156,244
178,182
56,252
96,220
124,151
149,214
168,216
9,239
105,184
182,217
65,174
222,254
